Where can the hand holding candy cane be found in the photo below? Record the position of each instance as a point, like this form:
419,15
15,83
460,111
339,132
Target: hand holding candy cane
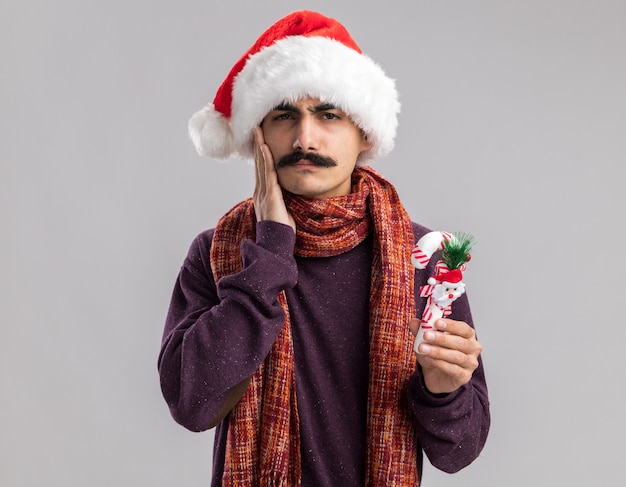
449,355
446,285
448,349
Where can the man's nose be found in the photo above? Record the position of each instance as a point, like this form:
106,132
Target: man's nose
307,139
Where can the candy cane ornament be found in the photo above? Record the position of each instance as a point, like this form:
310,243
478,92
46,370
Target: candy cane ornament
446,285
427,246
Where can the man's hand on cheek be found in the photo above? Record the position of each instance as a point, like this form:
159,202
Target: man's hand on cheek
268,196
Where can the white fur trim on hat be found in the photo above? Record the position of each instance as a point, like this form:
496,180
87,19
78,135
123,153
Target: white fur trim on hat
293,68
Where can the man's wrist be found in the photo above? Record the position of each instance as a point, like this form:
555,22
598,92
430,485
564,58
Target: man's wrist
277,237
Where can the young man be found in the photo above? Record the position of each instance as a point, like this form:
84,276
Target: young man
291,325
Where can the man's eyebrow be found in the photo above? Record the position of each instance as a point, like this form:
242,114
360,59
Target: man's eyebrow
286,107
322,108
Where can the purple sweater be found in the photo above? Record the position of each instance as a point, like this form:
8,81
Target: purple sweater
215,337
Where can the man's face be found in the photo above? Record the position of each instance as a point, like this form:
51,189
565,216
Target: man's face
310,126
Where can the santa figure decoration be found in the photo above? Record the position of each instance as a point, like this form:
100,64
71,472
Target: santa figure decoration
446,285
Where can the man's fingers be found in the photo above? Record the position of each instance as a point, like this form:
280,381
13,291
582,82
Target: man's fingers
453,327
448,355
259,162
268,197
257,132
267,178
455,336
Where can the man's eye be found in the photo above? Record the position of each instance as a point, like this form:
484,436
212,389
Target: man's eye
329,116
283,116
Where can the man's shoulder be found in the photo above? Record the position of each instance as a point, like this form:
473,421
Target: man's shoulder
419,230
200,248
205,236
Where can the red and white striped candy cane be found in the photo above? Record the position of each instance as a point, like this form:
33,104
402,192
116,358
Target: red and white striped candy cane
420,256
427,246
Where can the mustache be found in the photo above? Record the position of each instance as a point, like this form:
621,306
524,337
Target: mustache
295,157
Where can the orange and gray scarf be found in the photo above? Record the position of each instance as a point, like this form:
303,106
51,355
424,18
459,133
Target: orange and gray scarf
263,442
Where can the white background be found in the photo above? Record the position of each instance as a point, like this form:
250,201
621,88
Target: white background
512,128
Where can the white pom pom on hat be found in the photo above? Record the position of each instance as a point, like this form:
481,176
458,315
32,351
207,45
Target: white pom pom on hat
210,133
304,54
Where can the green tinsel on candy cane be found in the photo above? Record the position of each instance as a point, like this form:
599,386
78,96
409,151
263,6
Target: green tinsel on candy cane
456,251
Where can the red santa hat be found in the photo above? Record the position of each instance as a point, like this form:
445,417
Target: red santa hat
449,277
304,54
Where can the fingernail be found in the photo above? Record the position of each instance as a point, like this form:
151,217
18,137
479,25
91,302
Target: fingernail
429,335
441,325
424,348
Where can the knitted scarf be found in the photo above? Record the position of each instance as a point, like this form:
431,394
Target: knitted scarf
263,440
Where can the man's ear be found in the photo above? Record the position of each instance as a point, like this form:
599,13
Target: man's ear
365,143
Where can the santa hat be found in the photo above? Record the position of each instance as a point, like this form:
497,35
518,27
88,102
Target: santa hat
450,277
304,54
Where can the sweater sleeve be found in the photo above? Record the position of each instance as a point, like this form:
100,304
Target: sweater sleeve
217,336
452,428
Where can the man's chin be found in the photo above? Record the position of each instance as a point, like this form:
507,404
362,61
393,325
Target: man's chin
307,189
